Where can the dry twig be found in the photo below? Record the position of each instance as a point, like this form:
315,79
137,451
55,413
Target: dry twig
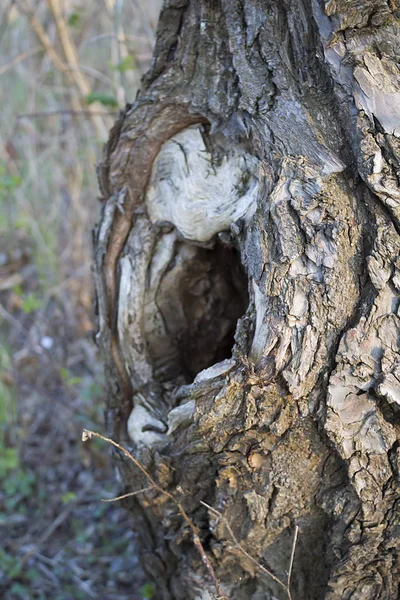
71,70
71,56
127,495
66,112
296,532
17,59
286,586
87,434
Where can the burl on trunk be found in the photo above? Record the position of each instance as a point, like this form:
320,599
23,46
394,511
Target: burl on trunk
248,274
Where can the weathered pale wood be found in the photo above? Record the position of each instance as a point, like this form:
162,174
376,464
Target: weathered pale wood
252,191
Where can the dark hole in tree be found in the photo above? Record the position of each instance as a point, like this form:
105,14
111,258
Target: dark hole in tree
201,296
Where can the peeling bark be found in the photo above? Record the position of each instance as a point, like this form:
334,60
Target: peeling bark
248,275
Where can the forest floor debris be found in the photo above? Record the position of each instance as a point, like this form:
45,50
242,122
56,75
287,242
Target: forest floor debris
59,540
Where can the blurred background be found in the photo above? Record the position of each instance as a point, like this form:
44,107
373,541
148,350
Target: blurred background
66,68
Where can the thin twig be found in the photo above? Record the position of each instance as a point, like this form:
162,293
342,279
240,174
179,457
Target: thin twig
4,19
146,22
114,8
285,586
71,56
17,59
111,34
93,72
296,532
7,317
239,547
47,44
127,495
74,75
44,38
68,47
87,434
72,113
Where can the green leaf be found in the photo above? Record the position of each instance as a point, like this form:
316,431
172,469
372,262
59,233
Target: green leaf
33,575
69,379
9,182
75,18
20,482
9,459
17,289
18,590
103,98
26,482
148,591
31,303
126,64
68,497
64,373
10,564
21,224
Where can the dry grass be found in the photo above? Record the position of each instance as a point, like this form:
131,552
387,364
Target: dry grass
58,59
52,151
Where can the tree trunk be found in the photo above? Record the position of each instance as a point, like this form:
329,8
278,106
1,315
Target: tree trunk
247,274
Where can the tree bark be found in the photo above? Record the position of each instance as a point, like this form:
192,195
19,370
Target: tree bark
247,272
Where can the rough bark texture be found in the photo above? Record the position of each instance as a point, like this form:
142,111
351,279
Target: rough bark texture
252,190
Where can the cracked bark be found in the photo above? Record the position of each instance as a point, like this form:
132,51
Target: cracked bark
247,271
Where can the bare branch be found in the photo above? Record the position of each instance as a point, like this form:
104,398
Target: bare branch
246,554
296,531
17,59
127,495
88,434
72,113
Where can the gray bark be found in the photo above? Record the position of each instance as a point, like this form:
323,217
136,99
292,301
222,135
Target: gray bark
248,276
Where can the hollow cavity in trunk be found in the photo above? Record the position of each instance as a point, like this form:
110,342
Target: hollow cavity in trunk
192,321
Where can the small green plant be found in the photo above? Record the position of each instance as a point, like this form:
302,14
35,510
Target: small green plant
9,460
17,486
18,590
75,18
68,497
10,565
9,457
70,380
30,303
103,98
148,591
126,64
92,391
12,568
8,183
